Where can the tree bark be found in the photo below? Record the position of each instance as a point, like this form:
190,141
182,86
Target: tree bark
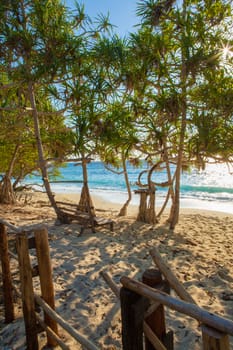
7,195
42,162
85,197
175,209
123,210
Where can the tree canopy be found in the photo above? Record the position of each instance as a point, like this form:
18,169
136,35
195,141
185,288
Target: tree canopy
164,92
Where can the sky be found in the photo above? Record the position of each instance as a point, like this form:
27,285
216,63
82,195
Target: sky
122,13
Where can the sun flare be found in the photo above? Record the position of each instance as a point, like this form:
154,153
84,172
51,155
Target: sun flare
227,52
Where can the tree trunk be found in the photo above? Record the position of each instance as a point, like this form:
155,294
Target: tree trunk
123,210
175,209
42,162
169,175
151,213
7,195
85,197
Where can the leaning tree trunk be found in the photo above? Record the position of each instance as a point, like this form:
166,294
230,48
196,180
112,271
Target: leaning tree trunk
123,210
42,161
7,195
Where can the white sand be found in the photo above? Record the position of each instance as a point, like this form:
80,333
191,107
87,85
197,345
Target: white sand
199,251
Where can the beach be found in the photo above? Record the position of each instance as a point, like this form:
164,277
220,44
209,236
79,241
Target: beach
198,251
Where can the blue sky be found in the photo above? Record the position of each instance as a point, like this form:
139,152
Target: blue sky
122,12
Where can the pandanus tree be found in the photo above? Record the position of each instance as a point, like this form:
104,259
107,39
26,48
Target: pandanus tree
17,141
212,137
83,92
143,55
117,144
191,33
35,38
9,143
117,132
14,135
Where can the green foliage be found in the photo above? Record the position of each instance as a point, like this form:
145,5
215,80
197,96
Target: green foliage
17,129
185,71
165,87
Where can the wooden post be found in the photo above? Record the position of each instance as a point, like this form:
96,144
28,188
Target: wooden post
142,204
214,340
222,324
132,314
6,276
27,292
151,214
46,280
146,212
156,320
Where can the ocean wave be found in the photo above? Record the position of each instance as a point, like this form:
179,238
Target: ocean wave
213,184
209,189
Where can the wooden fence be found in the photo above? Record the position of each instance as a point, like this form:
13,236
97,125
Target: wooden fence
26,238
143,317
142,303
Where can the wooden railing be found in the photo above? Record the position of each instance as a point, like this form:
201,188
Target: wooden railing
28,237
143,316
142,303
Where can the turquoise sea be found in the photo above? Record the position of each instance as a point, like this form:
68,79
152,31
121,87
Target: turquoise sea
211,188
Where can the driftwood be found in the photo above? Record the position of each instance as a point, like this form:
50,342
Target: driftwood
45,327
213,339
146,212
52,334
83,214
222,324
116,290
24,228
76,335
170,277
27,294
146,329
111,283
9,225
